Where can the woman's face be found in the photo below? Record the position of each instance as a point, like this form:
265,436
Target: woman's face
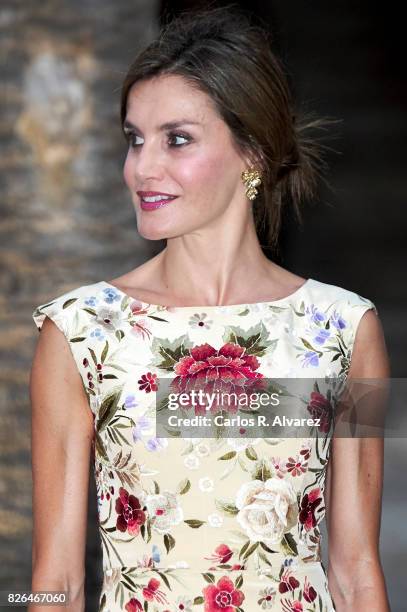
194,160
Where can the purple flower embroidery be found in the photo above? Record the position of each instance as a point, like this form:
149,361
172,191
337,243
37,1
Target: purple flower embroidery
321,335
337,321
154,444
315,315
130,402
141,425
310,359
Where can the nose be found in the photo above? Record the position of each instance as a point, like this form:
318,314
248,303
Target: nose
146,163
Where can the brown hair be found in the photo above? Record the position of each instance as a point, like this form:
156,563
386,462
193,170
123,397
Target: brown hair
222,53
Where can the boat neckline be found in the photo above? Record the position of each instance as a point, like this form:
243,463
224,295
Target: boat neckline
289,297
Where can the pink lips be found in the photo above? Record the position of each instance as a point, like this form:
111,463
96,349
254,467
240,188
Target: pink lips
154,205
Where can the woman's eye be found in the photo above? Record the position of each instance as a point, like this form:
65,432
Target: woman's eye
173,136
173,140
131,139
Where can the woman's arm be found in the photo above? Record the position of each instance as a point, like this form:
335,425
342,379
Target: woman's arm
353,493
62,432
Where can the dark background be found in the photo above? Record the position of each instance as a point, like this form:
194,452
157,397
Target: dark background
67,220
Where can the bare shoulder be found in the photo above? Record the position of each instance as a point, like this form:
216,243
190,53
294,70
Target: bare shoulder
138,281
54,373
61,443
370,357
285,282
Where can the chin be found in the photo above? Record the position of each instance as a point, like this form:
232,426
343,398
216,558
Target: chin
152,233
159,229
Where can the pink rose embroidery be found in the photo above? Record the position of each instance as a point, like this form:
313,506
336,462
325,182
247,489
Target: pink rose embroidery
131,516
222,596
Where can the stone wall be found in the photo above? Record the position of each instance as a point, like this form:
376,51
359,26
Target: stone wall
66,217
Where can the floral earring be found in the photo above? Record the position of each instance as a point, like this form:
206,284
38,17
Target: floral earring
251,179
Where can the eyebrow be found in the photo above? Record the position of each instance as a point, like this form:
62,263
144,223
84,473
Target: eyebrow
169,125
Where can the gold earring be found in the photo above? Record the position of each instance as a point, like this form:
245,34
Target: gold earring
251,179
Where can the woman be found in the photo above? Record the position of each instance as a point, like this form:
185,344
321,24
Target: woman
214,151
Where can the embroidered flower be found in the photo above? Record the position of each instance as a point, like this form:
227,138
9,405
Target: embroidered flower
184,604
279,466
267,509
315,315
164,510
130,515
111,295
305,450
239,444
205,484
141,328
156,444
309,591
338,321
91,301
267,597
152,593
137,307
104,483
110,318
142,424
133,605
215,520
98,333
200,321
288,582
297,466
309,505
320,336
130,402
202,450
222,596
310,358
191,461
292,606
222,554
147,382
320,407
230,361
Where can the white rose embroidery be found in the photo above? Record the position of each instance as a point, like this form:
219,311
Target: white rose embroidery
267,509
215,520
239,444
191,462
165,510
205,484
202,450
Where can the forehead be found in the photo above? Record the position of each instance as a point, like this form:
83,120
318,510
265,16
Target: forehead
168,98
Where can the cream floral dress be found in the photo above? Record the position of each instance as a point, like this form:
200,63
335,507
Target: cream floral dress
207,524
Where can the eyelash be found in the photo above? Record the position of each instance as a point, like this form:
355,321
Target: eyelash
130,136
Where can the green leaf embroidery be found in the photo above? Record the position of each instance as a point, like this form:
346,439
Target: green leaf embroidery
226,507
194,523
227,456
184,486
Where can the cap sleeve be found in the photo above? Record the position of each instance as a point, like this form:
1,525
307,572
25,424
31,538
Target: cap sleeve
64,312
57,310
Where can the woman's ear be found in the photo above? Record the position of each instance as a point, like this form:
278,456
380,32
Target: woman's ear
255,158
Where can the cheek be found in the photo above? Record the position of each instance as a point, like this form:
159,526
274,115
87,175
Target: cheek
127,174
202,174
